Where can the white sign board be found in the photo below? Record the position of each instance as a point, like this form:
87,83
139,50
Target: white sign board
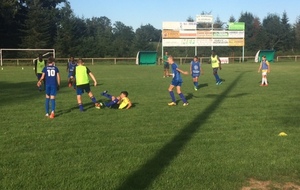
204,18
179,25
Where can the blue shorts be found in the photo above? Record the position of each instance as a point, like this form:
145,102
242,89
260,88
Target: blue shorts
51,90
39,75
195,75
80,89
176,83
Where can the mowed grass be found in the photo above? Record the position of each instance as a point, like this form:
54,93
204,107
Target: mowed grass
227,135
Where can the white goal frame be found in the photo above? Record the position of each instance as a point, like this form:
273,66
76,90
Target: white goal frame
49,51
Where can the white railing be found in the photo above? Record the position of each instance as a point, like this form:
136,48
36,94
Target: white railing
131,60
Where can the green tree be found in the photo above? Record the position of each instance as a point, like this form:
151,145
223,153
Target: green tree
273,27
123,37
41,23
287,34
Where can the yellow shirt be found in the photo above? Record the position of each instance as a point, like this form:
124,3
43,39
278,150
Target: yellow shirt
124,103
214,61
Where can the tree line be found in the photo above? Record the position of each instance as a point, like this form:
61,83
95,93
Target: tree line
53,24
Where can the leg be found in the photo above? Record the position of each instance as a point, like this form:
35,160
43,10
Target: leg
53,104
113,101
106,95
178,88
79,92
47,100
215,73
92,97
172,95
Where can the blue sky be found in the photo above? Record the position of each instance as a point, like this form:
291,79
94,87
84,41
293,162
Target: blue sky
141,12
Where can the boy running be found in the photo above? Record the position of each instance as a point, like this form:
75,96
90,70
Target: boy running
81,74
51,74
176,82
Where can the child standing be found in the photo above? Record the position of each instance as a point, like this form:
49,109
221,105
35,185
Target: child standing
51,74
176,82
216,64
196,70
264,67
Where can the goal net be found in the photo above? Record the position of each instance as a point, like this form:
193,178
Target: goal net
44,52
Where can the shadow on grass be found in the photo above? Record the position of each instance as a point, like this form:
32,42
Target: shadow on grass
86,106
147,173
203,85
232,96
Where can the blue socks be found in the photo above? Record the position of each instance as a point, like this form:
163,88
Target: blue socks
52,104
172,96
182,98
80,107
196,84
217,78
93,99
47,105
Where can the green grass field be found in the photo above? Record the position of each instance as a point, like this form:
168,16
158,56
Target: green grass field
226,136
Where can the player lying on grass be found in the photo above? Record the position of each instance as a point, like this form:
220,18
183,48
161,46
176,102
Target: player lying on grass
120,102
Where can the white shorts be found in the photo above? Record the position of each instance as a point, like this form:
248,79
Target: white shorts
264,73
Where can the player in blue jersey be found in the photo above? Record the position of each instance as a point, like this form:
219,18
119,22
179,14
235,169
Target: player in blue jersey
196,70
70,68
176,82
51,74
265,68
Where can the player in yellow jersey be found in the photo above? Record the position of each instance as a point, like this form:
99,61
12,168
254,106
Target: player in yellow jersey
122,101
216,64
39,65
81,75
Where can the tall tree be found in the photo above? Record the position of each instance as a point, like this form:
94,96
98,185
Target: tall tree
123,37
274,31
248,19
296,30
287,34
41,23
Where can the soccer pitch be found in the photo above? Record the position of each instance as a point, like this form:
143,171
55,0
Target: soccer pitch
224,138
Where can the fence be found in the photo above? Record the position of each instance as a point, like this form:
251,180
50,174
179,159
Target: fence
131,60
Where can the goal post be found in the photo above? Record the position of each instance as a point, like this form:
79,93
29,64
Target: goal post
48,51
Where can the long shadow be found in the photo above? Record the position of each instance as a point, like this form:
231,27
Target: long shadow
147,173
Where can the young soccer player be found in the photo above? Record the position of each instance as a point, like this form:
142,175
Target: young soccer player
265,68
51,74
70,68
176,82
216,64
122,101
39,65
196,70
81,75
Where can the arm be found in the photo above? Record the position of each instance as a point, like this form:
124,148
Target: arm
67,67
35,66
93,77
58,79
259,68
269,67
220,67
129,105
183,72
39,83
